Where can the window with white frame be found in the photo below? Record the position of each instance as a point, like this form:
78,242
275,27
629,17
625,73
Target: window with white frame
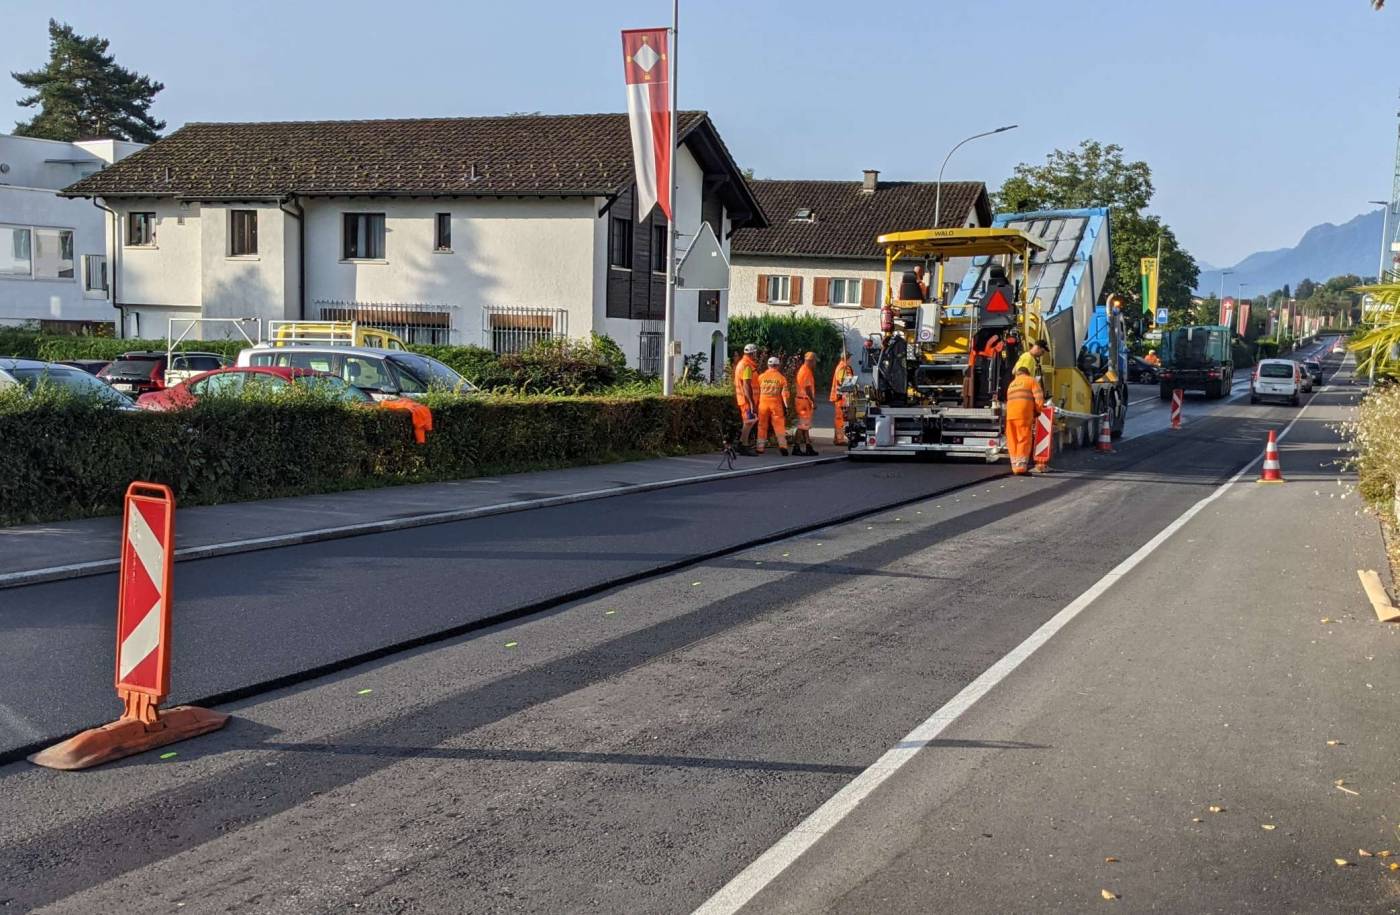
364,236
779,290
845,291
140,230
16,251
442,232
37,253
242,233
94,273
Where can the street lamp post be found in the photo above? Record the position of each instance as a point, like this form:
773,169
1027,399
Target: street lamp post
1385,236
938,194
1223,274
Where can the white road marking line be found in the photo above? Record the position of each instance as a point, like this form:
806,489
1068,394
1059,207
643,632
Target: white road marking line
753,879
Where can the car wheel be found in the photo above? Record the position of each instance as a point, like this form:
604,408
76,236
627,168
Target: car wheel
1253,399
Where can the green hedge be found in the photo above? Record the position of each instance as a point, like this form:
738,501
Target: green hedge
788,337
67,458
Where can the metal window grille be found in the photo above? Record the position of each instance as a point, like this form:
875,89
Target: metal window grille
650,352
513,328
410,322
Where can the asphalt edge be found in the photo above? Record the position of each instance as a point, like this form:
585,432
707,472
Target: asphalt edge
346,531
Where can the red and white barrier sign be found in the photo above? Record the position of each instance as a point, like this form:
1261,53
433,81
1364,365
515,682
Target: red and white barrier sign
143,599
1044,432
1177,396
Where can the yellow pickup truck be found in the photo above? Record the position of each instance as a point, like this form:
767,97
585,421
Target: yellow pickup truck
331,333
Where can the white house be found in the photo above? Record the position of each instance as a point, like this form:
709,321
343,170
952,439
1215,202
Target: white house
53,249
492,231
817,254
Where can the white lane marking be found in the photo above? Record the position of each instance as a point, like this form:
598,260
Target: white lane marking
146,547
141,642
753,879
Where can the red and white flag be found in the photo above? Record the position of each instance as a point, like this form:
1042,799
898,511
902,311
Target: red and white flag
1244,318
1227,309
647,65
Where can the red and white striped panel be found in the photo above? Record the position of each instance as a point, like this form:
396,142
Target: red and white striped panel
1044,427
140,615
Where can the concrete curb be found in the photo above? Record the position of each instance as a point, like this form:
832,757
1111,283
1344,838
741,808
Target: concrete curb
342,532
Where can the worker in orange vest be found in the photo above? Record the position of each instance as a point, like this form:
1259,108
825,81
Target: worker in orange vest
746,395
1023,402
806,405
772,406
838,400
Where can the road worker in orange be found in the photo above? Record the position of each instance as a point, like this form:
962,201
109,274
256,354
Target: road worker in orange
1024,399
746,395
806,405
772,406
838,400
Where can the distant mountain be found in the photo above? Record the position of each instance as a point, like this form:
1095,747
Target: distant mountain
1323,252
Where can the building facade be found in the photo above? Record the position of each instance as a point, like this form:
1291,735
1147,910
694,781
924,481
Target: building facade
53,249
487,231
817,254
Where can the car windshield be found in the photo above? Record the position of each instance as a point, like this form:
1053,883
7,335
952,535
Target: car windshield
429,373
133,367
75,380
1276,370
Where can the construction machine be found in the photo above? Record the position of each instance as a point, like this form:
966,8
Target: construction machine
945,356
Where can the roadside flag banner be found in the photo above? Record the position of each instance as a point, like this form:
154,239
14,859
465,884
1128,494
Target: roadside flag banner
1148,271
1227,310
646,64
1244,318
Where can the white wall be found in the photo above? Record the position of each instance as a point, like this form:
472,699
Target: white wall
246,286
24,299
529,252
45,163
166,273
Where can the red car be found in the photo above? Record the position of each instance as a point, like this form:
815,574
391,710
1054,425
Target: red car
235,379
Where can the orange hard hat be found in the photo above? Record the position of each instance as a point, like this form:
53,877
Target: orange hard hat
810,357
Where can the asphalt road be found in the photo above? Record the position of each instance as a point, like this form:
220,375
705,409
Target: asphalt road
631,751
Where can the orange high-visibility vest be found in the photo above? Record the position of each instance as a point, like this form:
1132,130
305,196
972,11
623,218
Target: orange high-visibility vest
806,389
1023,389
745,372
843,371
772,386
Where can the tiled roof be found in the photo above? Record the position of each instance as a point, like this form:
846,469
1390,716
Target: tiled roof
585,154
845,219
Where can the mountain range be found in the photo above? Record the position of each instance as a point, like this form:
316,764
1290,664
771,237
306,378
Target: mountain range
1323,252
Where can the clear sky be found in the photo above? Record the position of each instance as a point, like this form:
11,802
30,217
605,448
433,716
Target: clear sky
1259,118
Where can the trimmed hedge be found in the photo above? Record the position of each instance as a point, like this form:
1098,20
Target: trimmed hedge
788,337
68,458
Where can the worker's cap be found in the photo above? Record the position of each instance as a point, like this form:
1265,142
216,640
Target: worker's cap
1042,344
774,361
1152,352
750,348
809,356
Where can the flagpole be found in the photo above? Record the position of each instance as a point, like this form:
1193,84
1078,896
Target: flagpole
669,359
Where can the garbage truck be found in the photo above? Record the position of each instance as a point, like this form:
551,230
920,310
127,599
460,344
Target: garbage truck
1197,358
945,357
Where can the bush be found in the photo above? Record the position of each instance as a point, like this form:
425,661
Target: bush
68,457
788,337
1375,438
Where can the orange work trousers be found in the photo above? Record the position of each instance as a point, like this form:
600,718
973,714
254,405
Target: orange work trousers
840,423
1020,431
772,413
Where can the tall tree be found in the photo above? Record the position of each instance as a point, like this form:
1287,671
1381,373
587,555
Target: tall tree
82,92
1096,175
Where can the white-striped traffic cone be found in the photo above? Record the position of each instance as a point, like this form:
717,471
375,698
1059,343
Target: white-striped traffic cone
1273,471
1105,445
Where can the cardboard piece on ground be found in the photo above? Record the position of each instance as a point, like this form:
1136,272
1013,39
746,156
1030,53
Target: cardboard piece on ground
1386,612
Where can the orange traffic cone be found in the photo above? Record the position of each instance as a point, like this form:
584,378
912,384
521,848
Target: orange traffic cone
1273,473
1105,445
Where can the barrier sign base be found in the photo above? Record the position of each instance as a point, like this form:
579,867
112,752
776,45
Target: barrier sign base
129,736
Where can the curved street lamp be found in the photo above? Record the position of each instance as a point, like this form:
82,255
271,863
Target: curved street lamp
938,195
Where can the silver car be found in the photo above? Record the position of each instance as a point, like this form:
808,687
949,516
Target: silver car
381,373
31,373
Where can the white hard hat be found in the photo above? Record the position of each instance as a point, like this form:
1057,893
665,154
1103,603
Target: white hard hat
750,348
774,361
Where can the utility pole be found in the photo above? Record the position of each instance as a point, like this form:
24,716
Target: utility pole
668,374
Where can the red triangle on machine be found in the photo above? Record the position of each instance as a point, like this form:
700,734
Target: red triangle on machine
998,303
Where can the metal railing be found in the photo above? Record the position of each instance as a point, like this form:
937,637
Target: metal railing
650,349
411,322
513,328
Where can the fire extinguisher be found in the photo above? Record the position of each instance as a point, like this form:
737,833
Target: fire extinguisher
886,319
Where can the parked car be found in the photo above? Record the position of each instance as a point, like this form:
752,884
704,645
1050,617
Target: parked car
136,373
31,373
1279,379
1313,367
1140,371
234,381
91,366
1338,348
381,373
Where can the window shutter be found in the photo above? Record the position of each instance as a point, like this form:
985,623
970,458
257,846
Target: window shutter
762,289
820,291
869,291
795,285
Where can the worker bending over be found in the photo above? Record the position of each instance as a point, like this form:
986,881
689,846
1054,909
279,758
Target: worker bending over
772,407
838,399
746,395
1030,361
806,406
1023,402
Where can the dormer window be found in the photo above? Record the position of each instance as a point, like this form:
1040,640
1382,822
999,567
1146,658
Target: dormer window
804,214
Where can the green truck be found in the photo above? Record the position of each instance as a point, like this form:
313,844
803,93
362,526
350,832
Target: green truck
1197,358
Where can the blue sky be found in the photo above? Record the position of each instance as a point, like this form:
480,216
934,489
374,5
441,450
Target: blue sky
1259,118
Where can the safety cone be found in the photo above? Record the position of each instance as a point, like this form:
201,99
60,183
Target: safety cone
1273,473
1105,445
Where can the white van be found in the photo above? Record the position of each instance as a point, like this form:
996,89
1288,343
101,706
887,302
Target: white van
381,373
1280,379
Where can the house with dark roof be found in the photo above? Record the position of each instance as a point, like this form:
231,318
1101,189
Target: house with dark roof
494,231
817,253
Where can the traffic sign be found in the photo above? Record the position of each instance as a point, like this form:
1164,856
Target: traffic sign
143,598
1163,316
704,265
